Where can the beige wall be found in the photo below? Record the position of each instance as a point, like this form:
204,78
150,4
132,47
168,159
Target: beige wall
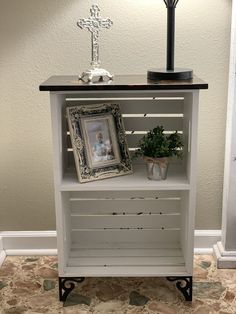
40,38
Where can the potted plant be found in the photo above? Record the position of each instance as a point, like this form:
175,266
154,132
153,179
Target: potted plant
156,148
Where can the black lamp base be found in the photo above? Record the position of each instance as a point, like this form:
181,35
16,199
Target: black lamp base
176,74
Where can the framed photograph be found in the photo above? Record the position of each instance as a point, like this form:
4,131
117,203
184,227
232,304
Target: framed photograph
98,140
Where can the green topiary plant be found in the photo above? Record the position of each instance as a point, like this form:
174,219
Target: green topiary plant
156,144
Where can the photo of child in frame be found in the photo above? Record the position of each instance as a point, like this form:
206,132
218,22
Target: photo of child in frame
101,140
98,140
102,150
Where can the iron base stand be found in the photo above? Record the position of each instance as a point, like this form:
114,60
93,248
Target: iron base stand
184,285
66,285
173,75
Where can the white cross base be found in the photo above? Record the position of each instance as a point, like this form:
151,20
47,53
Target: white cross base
96,75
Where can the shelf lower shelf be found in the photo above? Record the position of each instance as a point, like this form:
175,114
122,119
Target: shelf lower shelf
176,180
126,262
126,271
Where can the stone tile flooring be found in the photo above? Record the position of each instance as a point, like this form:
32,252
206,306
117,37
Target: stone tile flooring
30,285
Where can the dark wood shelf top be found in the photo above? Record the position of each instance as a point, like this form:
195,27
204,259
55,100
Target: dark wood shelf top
120,82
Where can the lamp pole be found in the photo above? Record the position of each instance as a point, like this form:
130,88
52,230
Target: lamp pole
170,62
170,72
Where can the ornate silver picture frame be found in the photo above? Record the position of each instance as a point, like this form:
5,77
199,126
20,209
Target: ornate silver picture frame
98,140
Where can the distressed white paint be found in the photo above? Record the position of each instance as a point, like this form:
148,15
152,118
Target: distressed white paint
225,251
93,232
40,38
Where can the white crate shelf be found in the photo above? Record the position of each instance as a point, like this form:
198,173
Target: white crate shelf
128,225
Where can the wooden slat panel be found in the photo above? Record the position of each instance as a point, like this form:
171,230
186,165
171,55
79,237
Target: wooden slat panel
124,206
127,271
152,106
133,139
98,195
135,160
138,106
75,102
125,221
89,237
148,123
125,245
126,261
118,94
125,252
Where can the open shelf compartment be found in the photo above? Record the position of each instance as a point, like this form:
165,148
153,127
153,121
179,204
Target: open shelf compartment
123,233
140,114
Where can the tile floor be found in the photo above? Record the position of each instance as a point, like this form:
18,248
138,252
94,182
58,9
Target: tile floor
29,285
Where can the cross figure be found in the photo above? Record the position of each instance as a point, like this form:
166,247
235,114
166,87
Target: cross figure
94,24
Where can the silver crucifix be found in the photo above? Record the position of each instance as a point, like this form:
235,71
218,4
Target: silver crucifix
94,24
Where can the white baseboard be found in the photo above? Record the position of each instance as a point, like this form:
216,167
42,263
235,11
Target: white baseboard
45,242
2,252
31,252
2,257
224,259
205,239
29,240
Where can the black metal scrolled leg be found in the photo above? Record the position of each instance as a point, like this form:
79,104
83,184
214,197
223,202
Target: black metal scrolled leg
184,285
66,285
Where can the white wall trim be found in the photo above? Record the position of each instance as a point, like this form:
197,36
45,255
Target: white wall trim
224,259
205,239
28,240
2,257
45,242
225,250
2,252
229,196
31,252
